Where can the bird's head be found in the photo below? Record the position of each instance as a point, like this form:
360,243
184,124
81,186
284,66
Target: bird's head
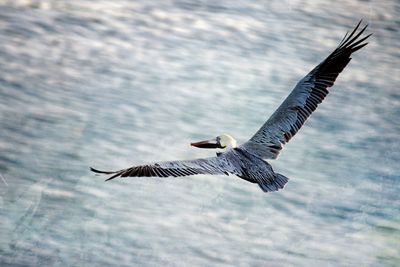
223,141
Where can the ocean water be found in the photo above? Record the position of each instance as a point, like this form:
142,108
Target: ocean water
111,84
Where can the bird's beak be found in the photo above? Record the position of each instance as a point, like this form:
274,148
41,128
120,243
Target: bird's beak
213,143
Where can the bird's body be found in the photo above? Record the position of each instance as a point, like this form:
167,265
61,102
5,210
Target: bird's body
247,161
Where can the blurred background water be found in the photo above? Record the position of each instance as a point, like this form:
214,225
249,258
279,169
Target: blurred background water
110,84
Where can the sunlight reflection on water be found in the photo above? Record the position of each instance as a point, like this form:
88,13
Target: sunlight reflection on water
110,84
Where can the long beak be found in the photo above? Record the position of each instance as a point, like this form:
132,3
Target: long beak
213,143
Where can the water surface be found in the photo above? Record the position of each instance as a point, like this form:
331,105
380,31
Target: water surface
110,84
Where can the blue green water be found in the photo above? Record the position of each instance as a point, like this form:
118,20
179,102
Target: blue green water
110,84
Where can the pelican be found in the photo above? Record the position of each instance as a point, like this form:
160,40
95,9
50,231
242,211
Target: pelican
248,160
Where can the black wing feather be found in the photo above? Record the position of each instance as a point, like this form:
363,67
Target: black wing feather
304,99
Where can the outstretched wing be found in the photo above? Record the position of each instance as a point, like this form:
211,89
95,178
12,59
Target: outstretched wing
304,99
214,165
233,161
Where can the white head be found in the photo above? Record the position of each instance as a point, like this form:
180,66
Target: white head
223,141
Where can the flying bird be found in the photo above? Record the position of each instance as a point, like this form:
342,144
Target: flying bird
248,160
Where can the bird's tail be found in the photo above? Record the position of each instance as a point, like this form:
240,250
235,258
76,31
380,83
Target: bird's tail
278,183
116,173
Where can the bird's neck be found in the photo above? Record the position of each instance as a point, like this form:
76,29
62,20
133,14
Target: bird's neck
231,144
